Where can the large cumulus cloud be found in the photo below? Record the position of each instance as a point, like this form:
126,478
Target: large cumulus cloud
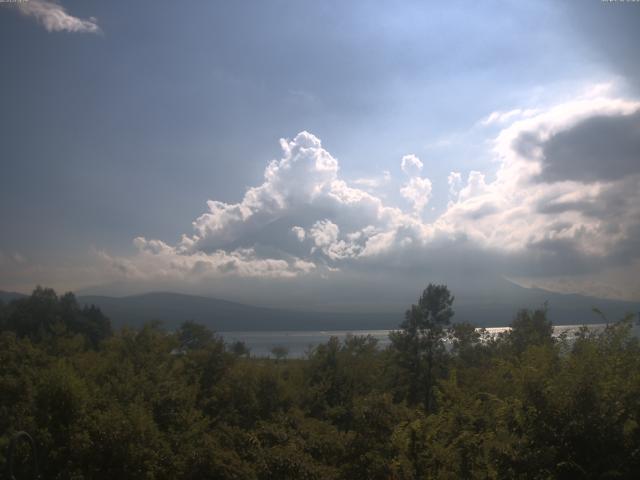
563,202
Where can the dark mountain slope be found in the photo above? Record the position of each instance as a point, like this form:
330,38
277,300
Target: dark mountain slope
6,297
172,309
495,305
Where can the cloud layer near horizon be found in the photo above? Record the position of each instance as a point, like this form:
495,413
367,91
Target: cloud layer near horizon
563,208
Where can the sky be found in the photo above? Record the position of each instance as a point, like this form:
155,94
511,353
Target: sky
331,153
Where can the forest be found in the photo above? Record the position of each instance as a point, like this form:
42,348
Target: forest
445,400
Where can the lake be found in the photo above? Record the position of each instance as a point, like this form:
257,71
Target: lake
300,342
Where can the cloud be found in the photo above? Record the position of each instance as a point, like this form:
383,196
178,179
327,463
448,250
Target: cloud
325,235
620,283
373,183
7,259
549,211
305,174
417,189
158,259
598,148
54,17
411,165
609,34
302,195
299,232
454,180
499,117
418,192
553,206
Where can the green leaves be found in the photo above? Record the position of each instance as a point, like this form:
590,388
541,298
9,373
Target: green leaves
419,348
45,317
154,404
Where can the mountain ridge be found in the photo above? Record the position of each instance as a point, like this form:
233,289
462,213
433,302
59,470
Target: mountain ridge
225,315
494,310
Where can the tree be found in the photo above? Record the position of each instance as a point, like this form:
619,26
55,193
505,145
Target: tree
240,349
465,340
280,352
337,373
194,336
44,315
4,312
36,315
88,320
419,345
530,328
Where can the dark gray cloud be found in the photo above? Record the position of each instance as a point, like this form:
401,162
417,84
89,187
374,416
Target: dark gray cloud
597,149
608,205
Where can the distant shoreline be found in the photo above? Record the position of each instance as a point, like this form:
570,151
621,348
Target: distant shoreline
299,342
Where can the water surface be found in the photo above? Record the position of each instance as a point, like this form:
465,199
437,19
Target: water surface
299,342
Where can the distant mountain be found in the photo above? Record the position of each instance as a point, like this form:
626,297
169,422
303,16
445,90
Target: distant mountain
498,307
6,297
489,310
495,305
172,309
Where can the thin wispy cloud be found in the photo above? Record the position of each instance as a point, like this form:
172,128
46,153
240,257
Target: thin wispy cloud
373,182
54,17
499,117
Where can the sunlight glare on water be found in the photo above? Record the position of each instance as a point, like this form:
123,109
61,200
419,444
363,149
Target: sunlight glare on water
299,343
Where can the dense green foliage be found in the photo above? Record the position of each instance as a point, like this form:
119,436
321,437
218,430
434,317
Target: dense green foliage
152,404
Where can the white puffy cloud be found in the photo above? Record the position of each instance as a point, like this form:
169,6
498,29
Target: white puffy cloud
324,233
332,221
418,191
515,220
156,259
411,165
54,17
304,174
303,183
299,232
454,180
